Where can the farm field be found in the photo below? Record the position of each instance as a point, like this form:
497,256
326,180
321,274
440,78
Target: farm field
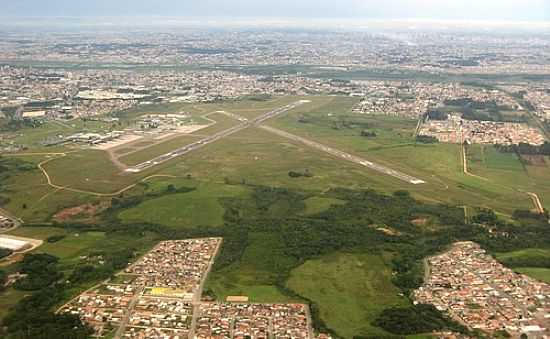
508,169
349,289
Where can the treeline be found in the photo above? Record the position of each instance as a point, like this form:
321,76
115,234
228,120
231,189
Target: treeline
527,149
416,319
436,115
426,139
17,124
125,202
33,318
481,110
111,263
469,102
528,231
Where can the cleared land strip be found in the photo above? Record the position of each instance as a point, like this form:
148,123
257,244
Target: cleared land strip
536,202
346,156
213,138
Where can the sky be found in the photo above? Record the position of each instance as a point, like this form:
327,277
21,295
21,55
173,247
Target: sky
468,10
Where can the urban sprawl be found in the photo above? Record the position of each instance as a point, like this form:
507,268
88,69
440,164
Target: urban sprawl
478,291
159,296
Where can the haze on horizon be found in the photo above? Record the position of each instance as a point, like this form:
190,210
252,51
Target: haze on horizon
474,10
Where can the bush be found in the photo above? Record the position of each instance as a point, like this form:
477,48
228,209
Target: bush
55,238
426,139
368,134
299,174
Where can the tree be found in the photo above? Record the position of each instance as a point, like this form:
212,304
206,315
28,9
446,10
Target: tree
368,134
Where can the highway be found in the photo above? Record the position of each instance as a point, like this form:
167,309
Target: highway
213,138
346,156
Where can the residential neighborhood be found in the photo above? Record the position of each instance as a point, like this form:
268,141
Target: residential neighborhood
455,129
159,296
475,289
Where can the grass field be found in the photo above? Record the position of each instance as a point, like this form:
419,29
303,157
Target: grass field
257,271
521,261
88,170
158,149
316,205
526,254
261,158
329,120
197,208
32,137
32,199
9,298
542,274
77,245
247,107
350,290
508,169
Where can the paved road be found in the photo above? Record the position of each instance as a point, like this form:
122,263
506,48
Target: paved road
213,138
346,156
8,215
198,293
122,327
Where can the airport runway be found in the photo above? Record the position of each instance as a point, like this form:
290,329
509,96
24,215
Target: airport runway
213,138
258,121
346,156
